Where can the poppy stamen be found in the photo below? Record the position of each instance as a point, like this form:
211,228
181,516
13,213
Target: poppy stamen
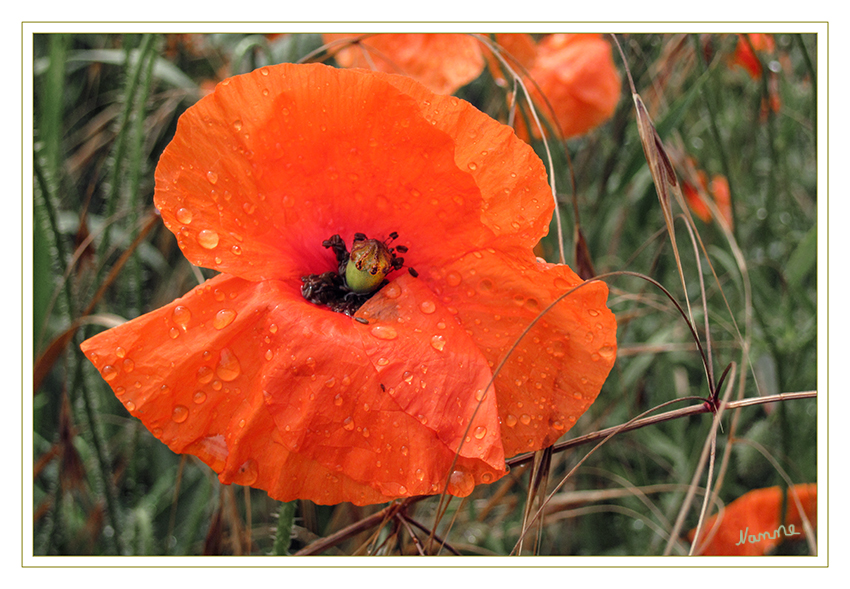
360,273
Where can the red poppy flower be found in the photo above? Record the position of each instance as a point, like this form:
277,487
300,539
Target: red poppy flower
719,190
442,62
577,75
744,55
268,180
750,525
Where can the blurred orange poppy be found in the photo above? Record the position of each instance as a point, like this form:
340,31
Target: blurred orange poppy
577,76
751,526
268,180
442,62
719,190
744,55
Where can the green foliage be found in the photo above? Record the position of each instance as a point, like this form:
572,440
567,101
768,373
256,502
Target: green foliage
106,106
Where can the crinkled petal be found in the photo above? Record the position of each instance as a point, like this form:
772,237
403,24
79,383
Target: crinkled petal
518,202
279,394
556,369
398,403
261,172
441,62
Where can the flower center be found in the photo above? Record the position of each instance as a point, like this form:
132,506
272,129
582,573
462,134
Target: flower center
360,273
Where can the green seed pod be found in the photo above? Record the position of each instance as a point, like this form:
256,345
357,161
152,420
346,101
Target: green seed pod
369,262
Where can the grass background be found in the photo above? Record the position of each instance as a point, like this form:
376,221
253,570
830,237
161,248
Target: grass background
106,106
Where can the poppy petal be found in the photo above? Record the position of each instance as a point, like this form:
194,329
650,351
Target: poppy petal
256,393
384,403
557,369
441,62
273,176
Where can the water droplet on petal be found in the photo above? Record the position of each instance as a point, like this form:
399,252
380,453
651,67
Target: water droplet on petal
181,316
120,352
338,400
607,351
348,424
480,432
461,483
228,365
173,333
438,342
384,332
453,278
391,291
237,124
212,177
224,318
199,397
130,405
427,307
128,365
208,239
525,419
510,420
109,372
205,374
179,414
184,216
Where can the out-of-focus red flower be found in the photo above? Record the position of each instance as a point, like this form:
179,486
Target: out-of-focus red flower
744,55
442,62
696,192
577,75
519,50
745,58
284,394
750,525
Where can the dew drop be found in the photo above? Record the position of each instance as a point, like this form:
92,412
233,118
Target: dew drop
453,278
391,291
130,405
173,333
237,251
461,483
384,332
212,177
607,352
224,318
199,397
184,216
419,474
204,374
487,477
269,354
510,420
593,312
273,328
120,352
237,124
128,365
427,307
480,432
525,419
382,362
119,391
338,400
228,365
109,372
330,383
208,239
179,414
348,424
181,316
472,166
404,451
438,342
